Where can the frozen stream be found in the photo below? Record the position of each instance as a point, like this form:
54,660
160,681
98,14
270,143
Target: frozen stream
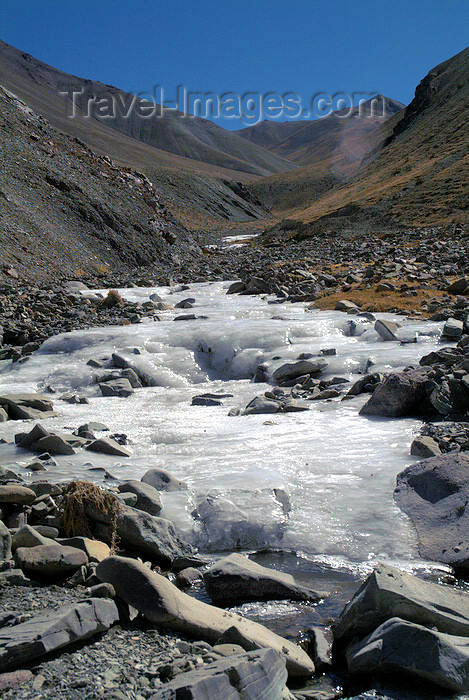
318,482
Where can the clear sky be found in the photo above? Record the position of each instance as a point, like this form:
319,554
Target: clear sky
299,46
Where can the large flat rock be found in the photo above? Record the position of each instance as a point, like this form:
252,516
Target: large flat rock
398,647
255,675
50,559
26,406
435,495
236,579
53,630
166,606
388,592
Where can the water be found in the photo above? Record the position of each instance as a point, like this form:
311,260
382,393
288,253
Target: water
317,483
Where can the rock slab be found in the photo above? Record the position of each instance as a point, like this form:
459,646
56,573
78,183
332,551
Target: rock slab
54,630
256,675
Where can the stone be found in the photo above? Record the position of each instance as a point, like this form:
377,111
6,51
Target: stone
458,286
453,329
236,579
54,444
321,649
148,498
15,679
17,494
26,441
28,536
26,406
162,480
108,446
187,577
345,305
386,329
205,401
434,494
261,404
16,577
54,630
95,550
3,415
398,646
166,606
117,387
236,287
388,592
255,675
149,535
400,394
5,542
50,560
425,446
292,370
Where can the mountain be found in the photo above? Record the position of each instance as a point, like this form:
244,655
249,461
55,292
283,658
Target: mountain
192,138
416,177
351,132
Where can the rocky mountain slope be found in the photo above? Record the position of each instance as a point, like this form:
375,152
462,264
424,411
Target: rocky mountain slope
67,212
417,178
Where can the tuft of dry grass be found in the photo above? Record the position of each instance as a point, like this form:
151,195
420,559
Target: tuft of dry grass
113,298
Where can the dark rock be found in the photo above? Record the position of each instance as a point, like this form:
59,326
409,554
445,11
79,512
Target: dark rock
401,394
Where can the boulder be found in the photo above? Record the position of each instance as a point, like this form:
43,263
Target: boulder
108,446
401,394
292,370
148,498
50,560
149,535
19,495
117,387
398,646
425,446
435,495
28,439
236,579
54,445
5,542
386,329
166,606
27,406
254,675
53,630
95,550
261,404
28,536
453,329
459,286
345,305
388,592
162,480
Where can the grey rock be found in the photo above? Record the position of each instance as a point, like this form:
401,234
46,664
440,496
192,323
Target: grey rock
401,394
54,630
345,305
453,329
25,406
28,536
3,415
148,498
26,441
17,494
458,287
162,480
166,606
435,495
108,446
117,387
5,542
261,404
321,642
388,592
49,560
292,370
425,446
386,329
398,646
254,675
54,444
236,579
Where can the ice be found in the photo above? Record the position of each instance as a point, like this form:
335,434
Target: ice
335,468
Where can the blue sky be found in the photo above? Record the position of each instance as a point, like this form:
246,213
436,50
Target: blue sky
300,46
